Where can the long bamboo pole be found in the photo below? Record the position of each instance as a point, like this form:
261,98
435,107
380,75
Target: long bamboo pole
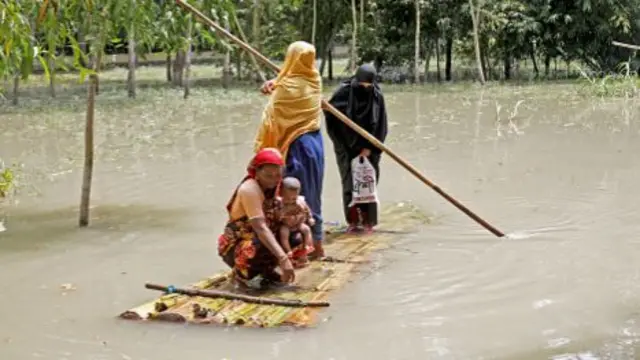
216,294
346,120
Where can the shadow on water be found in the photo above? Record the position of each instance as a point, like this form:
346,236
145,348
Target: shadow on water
34,230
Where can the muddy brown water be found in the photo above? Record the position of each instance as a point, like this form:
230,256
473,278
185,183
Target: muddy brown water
563,175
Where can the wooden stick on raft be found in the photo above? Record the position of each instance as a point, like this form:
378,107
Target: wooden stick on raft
345,120
216,294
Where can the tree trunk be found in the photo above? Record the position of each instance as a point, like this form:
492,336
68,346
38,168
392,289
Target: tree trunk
475,20
87,177
427,61
16,87
416,53
178,68
83,47
361,14
547,65
187,59
448,58
97,80
487,67
96,65
483,57
378,62
315,22
131,50
239,64
51,63
226,66
507,66
323,61
88,153
536,71
438,74
354,36
169,73
256,23
256,31
330,60
255,63
325,53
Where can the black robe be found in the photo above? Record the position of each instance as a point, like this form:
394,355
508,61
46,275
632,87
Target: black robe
366,108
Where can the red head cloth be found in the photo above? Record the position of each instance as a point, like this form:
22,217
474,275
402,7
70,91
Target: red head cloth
266,156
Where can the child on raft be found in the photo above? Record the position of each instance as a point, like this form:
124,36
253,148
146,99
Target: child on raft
296,221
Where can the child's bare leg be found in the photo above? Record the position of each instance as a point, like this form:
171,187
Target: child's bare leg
284,238
305,230
300,256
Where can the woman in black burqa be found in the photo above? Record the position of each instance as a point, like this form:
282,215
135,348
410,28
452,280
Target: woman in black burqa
361,99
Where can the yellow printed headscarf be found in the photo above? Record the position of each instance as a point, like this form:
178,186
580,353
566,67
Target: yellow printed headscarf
294,107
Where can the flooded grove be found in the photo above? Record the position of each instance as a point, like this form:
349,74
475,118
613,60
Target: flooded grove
559,170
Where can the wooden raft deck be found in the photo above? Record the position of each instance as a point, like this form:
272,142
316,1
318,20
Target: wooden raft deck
313,283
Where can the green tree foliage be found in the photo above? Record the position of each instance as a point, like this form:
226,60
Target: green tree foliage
509,30
580,30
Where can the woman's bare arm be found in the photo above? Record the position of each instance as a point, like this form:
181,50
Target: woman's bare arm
250,197
267,238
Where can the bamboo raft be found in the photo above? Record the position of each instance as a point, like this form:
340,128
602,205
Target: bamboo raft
201,302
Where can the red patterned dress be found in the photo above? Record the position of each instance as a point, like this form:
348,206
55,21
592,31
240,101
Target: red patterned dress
241,249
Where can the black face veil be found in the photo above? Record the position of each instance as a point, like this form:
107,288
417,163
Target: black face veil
362,97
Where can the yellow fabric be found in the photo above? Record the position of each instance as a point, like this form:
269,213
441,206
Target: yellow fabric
294,107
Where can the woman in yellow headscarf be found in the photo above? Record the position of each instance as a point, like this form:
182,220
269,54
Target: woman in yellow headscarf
291,124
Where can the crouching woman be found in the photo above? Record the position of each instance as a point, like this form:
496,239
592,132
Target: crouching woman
248,244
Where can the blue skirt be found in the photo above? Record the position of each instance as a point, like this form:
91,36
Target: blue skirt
305,161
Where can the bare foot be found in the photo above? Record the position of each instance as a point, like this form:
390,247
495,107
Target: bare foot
352,229
318,252
240,283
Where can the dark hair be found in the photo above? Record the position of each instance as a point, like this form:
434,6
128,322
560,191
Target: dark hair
291,183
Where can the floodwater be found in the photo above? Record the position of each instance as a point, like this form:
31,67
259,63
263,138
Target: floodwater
561,172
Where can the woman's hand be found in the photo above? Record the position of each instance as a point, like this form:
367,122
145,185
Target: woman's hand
269,241
267,87
288,273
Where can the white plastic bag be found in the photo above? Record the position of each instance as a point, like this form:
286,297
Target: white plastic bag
364,181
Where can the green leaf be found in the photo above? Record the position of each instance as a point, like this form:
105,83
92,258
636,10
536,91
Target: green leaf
84,72
78,54
26,66
45,66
